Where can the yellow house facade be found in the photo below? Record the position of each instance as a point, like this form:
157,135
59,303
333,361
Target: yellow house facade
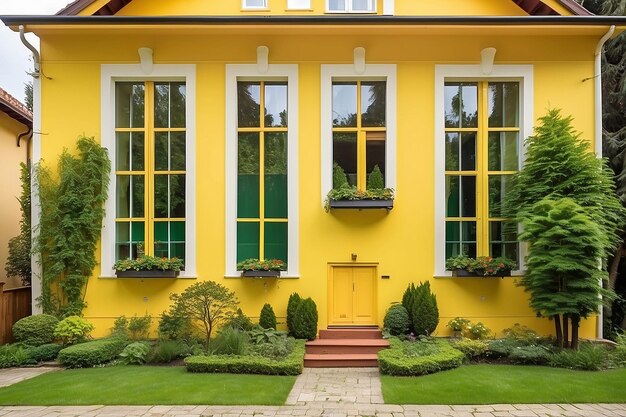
224,121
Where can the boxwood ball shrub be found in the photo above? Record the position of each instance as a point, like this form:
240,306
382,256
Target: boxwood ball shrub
35,330
305,321
267,318
90,354
396,320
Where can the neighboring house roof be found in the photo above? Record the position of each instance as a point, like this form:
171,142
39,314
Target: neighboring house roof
14,109
532,7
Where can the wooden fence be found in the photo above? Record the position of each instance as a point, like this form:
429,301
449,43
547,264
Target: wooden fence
15,303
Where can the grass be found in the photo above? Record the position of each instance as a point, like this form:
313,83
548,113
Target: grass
147,385
506,384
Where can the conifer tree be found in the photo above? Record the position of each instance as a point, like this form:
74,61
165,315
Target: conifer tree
375,181
562,274
424,310
267,318
407,302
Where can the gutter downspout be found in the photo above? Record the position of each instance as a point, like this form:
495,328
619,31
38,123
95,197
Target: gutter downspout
23,134
597,77
36,268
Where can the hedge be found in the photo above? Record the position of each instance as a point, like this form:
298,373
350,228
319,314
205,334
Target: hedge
35,330
89,354
248,364
393,361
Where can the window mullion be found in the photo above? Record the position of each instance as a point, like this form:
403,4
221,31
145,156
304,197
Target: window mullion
360,143
262,173
149,169
482,199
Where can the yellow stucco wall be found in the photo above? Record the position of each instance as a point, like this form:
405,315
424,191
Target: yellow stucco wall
400,242
11,186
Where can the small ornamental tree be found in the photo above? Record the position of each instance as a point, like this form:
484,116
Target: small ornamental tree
424,311
292,306
562,275
305,322
267,319
208,304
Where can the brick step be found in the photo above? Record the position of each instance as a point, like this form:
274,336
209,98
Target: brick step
364,360
346,346
351,333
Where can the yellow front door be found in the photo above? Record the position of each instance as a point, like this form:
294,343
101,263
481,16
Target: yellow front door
352,295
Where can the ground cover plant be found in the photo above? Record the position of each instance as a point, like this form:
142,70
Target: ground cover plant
507,384
144,385
421,357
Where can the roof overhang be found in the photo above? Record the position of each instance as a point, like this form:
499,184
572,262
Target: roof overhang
14,109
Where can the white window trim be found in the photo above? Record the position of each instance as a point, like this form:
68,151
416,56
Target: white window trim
289,72
110,74
298,5
520,73
245,6
349,8
331,72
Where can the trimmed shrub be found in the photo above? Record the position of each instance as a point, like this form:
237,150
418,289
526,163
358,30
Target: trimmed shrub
267,318
530,355
250,364
173,326
375,180
396,320
89,354
166,351
72,329
305,321
240,322
35,330
47,352
139,327
471,348
276,349
424,311
229,342
292,306
588,358
501,348
407,302
135,354
394,361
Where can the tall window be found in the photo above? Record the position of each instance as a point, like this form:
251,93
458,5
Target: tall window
359,128
351,6
482,136
262,207
150,169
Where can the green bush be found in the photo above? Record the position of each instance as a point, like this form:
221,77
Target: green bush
166,351
15,355
477,331
292,306
588,358
424,311
267,319
229,341
47,352
396,320
139,327
276,349
35,330
120,327
135,353
394,361
619,355
305,320
339,176
530,355
174,326
72,329
239,321
521,332
407,302
502,348
89,354
250,364
471,348
458,324
375,180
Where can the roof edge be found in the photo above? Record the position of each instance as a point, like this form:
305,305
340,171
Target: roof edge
75,7
15,109
575,8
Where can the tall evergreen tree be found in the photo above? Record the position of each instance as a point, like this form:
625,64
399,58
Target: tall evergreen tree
562,274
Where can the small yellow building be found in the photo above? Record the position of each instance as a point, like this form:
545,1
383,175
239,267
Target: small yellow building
224,121
16,123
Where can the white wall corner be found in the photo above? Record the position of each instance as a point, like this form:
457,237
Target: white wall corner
389,7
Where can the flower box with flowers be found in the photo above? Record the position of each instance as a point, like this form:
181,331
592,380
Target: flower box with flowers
148,267
482,266
261,268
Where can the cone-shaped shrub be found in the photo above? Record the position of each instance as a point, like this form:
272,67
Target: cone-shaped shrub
267,319
397,320
292,306
407,302
375,181
305,322
424,311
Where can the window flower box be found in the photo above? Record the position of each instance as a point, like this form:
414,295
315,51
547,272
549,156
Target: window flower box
480,273
146,266
260,268
260,274
361,204
482,266
153,273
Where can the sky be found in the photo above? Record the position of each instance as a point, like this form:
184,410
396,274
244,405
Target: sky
15,59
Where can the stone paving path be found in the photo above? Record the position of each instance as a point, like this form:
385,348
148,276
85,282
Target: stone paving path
14,375
344,392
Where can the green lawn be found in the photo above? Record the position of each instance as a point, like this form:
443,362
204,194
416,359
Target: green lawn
506,384
146,385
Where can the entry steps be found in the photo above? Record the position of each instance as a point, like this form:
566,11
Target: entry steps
345,347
